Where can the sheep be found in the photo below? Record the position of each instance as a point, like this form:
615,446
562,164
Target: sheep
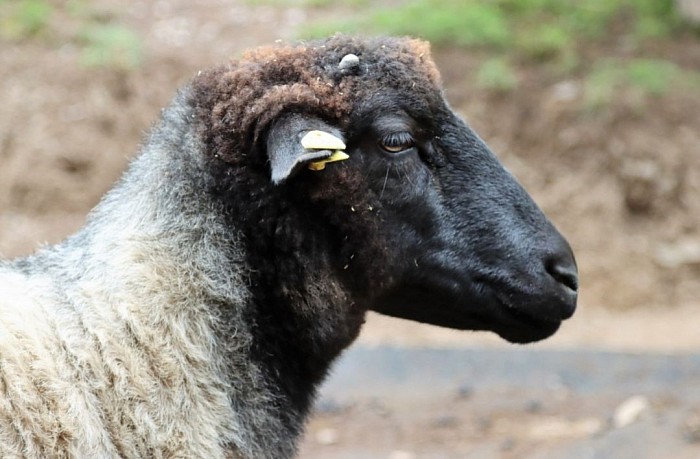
280,197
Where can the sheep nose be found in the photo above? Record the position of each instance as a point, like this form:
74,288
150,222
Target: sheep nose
561,267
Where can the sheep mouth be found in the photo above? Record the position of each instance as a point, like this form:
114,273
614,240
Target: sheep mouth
520,327
508,312
481,306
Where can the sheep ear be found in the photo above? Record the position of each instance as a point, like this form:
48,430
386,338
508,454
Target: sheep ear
298,140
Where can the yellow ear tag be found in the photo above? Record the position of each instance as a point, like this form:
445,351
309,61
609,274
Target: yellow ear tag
336,156
320,140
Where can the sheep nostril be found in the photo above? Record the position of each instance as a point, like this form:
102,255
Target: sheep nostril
565,274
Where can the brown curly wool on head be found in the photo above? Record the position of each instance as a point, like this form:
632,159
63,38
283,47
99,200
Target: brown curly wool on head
237,102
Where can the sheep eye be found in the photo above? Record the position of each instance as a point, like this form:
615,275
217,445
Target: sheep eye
397,142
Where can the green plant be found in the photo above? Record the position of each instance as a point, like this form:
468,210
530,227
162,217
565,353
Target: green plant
462,23
545,42
497,74
103,44
600,85
441,22
308,3
539,29
655,18
652,75
644,77
109,45
24,18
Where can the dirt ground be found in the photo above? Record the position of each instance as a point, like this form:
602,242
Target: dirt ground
409,403
623,184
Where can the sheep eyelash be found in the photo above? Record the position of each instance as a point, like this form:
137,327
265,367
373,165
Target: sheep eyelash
397,142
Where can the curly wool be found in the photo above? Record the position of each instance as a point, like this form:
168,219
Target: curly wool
237,102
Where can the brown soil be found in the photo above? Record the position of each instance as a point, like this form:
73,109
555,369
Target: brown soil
622,183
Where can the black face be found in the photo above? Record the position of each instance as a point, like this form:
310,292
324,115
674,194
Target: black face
467,247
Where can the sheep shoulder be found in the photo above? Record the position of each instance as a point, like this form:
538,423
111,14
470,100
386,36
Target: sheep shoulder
89,368
104,381
37,400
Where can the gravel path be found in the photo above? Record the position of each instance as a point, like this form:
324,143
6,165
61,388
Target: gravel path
402,403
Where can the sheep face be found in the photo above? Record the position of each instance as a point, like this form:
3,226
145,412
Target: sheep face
420,222
449,237
468,247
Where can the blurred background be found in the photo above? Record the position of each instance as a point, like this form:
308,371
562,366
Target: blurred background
593,104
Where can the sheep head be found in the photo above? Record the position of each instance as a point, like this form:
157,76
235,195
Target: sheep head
421,221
